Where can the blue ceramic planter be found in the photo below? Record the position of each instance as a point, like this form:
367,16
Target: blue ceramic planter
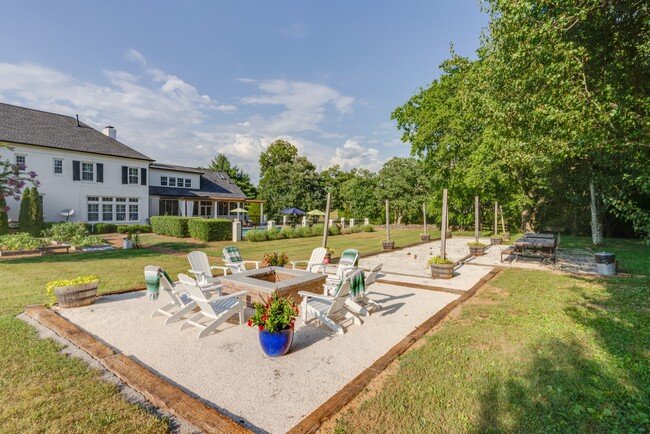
276,344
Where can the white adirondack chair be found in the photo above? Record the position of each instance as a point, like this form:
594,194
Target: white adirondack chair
347,263
232,258
329,310
180,303
362,299
213,311
202,270
315,263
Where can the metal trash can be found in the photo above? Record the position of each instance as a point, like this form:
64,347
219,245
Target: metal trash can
605,263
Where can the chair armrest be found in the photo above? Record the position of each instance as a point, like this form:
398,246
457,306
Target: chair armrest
219,267
257,263
318,266
233,295
201,273
308,294
294,263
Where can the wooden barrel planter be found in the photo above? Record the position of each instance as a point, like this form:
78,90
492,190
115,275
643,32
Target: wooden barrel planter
388,245
448,234
496,240
425,237
506,236
477,250
76,295
442,271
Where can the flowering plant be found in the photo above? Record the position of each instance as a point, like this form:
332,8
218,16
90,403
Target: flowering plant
276,314
49,286
276,259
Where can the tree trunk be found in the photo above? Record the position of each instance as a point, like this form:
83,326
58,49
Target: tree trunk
596,215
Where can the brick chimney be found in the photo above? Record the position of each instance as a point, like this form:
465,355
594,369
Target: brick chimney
110,132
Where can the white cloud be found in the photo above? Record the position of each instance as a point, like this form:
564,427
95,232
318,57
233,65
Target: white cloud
353,155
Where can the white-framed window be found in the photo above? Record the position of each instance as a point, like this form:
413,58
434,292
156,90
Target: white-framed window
107,212
120,212
188,183
134,214
87,171
163,181
93,209
179,182
21,162
133,175
58,166
172,182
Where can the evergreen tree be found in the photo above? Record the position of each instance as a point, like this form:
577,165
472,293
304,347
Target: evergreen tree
4,222
36,220
24,218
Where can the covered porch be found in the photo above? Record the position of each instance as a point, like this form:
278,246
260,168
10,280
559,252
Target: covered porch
202,207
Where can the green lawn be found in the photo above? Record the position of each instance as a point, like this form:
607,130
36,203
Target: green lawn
534,351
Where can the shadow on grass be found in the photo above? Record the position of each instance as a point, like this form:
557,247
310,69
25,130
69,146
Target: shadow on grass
84,256
582,385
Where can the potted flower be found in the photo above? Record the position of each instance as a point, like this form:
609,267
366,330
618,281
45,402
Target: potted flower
425,237
275,320
506,236
77,292
496,239
441,268
476,248
328,255
387,244
275,259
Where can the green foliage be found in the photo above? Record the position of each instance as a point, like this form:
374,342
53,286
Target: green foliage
24,218
276,314
273,234
368,228
20,241
66,232
334,230
105,228
36,213
141,229
4,218
254,213
255,236
304,231
438,260
405,186
289,232
49,286
317,230
476,244
358,195
87,241
210,229
172,226
275,259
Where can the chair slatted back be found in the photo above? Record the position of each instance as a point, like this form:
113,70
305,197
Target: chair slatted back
341,295
372,276
199,262
195,292
317,257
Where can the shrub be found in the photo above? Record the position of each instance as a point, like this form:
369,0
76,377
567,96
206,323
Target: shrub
273,234
304,232
317,230
49,286
66,232
24,217
123,229
288,233
255,236
210,229
438,260
88,241
476,244
354,229
368,228
20,241
36,214
144,229
334,230
105,228
4,218
173,226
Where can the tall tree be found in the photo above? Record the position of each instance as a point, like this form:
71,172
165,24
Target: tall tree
357,195
331,180
4,217
36,213
25,216
403,182
238,176
278,152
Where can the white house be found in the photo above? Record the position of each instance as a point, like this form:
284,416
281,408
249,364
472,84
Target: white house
79,168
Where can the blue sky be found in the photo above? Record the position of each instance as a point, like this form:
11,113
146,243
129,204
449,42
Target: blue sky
182,81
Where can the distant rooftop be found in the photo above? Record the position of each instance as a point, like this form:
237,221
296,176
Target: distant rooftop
176,168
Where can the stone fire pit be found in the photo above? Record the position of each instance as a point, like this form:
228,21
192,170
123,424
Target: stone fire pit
261,283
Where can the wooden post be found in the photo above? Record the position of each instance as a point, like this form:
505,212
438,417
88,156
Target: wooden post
387,223
327,219
496,228
261,213
424,214
476,217
443,234
503,225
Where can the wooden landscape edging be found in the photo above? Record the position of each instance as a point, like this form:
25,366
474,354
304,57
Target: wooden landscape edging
158,391
313,421
421,286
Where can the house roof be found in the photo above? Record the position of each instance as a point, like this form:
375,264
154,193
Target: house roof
22,125
161,166
214,185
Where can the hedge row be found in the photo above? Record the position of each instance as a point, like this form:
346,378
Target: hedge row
302,232
210,229
172,226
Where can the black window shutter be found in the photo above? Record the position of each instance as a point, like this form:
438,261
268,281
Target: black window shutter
100,172
76,171
143,176
125,175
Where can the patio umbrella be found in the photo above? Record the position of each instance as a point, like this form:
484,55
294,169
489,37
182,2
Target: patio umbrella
238,210
316,212
292,211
